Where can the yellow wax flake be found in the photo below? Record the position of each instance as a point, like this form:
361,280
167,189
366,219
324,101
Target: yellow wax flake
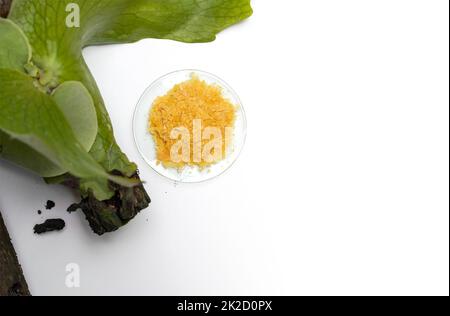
192,123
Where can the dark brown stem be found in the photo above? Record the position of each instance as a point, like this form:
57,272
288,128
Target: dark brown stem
12,281
5,5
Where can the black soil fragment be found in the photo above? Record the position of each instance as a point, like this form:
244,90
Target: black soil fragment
40,212
50,225
73,208
50,205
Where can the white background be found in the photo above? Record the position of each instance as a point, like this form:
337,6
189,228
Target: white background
342,187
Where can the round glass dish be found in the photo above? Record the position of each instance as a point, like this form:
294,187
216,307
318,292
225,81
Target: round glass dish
146,145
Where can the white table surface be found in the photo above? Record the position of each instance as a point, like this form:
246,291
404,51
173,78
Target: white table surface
342,187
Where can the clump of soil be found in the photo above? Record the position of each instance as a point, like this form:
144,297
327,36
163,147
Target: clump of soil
50,205
50,225
73,208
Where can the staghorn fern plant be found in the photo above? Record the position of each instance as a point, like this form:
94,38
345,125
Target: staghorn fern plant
53,120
